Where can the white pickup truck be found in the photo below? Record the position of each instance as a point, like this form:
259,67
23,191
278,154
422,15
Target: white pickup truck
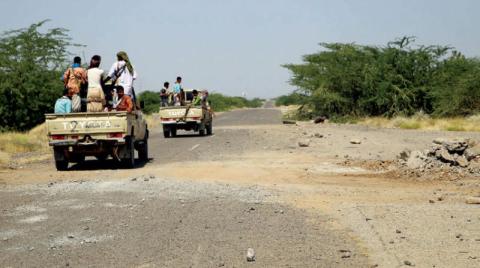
187,117
118,134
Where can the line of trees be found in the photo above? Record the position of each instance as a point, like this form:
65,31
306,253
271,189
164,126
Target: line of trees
32,61
219,102
400,78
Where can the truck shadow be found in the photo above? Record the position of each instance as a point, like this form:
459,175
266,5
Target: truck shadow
109,164
181,136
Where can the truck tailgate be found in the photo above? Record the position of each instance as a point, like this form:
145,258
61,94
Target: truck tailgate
178,113
86,123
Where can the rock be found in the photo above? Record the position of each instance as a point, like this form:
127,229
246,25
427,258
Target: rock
318,135
133,179
250,255
439,141
456,145
445,156
462,161
408,263
345,253
398,231
472,152
70,236
404,155
289,122
473,200
355,141
416,160
320,119
304,143
431,201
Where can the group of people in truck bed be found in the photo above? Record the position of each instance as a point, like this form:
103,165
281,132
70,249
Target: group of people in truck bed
93,90
176,96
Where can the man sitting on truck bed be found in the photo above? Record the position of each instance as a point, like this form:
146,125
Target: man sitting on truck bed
124,101
64,104
196,99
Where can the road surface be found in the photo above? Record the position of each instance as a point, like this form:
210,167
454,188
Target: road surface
159,215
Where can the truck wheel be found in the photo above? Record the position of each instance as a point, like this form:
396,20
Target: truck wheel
61,165
201,132
166,132
129,161
143,150
209,128
174,132
61,162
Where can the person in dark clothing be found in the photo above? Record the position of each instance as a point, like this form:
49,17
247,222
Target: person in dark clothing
164,94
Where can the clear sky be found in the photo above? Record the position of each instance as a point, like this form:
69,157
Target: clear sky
238,46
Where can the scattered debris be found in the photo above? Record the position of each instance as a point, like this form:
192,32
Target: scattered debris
250,255
448,156
289,122
304,143
345,253
473,200
355,141
320,119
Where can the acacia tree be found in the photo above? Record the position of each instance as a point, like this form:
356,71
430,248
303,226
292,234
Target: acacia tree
31,64
397,79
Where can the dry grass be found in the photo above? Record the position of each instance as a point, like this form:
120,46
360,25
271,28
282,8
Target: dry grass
424,122
290,111
153,120
12,143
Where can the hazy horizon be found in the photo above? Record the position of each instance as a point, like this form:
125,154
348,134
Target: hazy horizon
233,47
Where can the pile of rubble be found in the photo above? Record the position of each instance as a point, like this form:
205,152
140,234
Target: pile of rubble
458,155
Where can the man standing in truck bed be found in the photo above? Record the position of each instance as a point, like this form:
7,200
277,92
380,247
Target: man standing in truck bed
123,74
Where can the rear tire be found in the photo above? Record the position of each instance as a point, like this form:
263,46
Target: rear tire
209,128
129,161
174,132
61,165
61,162
201,132
166,132
143,150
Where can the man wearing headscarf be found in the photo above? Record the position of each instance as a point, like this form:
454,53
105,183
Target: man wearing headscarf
122,73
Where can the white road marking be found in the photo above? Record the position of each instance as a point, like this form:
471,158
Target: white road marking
194,147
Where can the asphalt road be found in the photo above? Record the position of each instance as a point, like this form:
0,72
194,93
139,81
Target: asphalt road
149,220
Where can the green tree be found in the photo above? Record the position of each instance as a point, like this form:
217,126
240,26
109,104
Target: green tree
151,101
400,78
31,64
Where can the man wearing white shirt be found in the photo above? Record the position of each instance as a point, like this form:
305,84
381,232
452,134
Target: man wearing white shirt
123,73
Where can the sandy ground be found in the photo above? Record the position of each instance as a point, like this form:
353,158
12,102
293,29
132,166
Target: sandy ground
201,202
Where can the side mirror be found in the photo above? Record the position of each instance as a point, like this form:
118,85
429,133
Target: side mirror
142,104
